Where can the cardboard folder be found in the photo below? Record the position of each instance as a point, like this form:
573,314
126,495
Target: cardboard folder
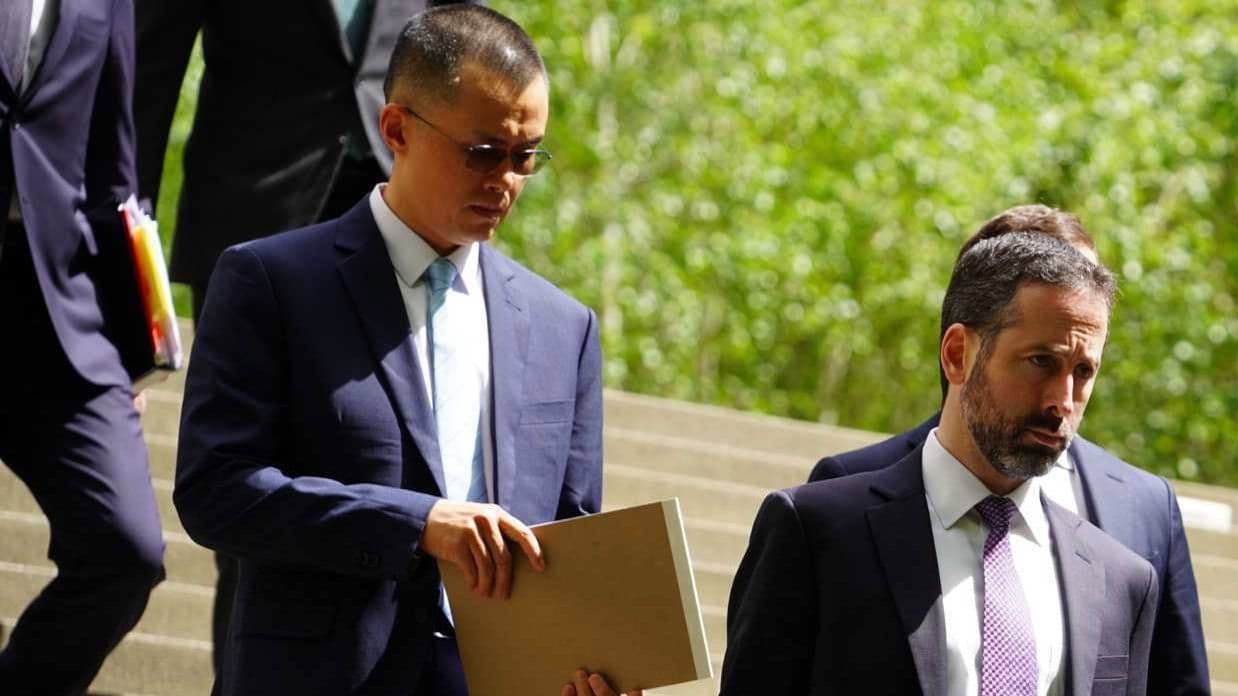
617,597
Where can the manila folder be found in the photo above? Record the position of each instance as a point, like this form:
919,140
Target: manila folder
617,597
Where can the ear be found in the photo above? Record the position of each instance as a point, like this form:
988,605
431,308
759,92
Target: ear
958,351
391,122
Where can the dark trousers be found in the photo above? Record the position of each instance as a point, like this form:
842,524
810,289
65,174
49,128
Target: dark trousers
354,180
78,448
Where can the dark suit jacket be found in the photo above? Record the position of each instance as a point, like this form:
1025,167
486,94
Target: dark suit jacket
839,593
69,137
308,449
280,92
1131,505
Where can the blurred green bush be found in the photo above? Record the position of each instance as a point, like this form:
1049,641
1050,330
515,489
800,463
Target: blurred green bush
763,200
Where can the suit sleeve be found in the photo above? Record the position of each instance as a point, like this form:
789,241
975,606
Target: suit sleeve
826,469
582,482
234,492
1141,638
1179,662
109,168
772,616
165,35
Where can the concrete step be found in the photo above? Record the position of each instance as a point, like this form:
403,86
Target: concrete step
728,427
1216,576
1215,543
177,610
24,537
700,499
1220,619
708,460
1222,660
151,665
15,497
163,412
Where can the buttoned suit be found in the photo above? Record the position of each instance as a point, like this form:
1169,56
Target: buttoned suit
308,449
1131,505
839,593
68,427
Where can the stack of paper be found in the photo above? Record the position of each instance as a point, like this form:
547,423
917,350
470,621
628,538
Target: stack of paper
617,597
152,284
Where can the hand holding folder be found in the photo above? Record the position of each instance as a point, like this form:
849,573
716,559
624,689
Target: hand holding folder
480,541
616,598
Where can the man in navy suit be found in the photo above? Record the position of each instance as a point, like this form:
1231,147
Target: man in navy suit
1133,506
68,427
377,392
248,174
952,572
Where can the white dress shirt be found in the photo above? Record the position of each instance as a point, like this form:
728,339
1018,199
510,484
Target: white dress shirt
410,257
958,537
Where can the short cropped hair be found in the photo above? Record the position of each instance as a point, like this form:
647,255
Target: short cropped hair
990,272
435,45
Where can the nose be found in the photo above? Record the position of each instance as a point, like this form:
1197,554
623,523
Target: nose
503,179
1059,396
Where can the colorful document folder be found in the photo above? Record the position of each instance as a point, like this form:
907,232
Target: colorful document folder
617,597
151,276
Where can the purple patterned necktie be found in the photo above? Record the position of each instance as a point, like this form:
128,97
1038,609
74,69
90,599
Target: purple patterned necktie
1008,646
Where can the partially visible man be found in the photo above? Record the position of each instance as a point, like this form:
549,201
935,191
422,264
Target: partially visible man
285,133
380,391
68,427
951,573
1135,507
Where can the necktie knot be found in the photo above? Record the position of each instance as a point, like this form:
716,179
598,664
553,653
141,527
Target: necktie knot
440,275
997,512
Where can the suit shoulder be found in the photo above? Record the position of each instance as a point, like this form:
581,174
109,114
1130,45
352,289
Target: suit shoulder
295,250
537,288
833,496
1095,459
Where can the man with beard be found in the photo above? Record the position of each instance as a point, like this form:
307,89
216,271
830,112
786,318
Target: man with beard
950,573
1133,506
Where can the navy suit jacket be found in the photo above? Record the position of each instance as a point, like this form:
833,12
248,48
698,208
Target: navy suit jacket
69,136
308,449
839,593
1131,505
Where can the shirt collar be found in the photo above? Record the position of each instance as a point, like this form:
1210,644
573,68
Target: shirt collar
411,255
1065,461
953,491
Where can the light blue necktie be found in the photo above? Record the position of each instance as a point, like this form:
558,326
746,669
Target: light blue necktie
457,389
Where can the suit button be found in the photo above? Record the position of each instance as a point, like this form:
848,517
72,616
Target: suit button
365,559
343,139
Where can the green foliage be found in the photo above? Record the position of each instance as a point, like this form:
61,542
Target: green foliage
763,200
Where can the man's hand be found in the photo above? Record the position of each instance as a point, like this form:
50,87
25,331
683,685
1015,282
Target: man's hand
470,536
139,403
583,684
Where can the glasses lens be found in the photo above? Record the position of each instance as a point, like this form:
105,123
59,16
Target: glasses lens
484,158
530,161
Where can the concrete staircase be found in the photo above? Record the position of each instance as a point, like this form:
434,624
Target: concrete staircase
720,463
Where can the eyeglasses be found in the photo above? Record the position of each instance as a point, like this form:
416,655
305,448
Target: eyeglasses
485,158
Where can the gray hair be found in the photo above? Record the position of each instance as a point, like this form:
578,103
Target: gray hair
436,44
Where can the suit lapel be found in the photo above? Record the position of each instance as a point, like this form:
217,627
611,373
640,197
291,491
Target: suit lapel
365,268
1082,582
904,540
509,333
62,36
1105,491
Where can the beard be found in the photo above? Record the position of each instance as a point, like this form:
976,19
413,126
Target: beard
998,436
